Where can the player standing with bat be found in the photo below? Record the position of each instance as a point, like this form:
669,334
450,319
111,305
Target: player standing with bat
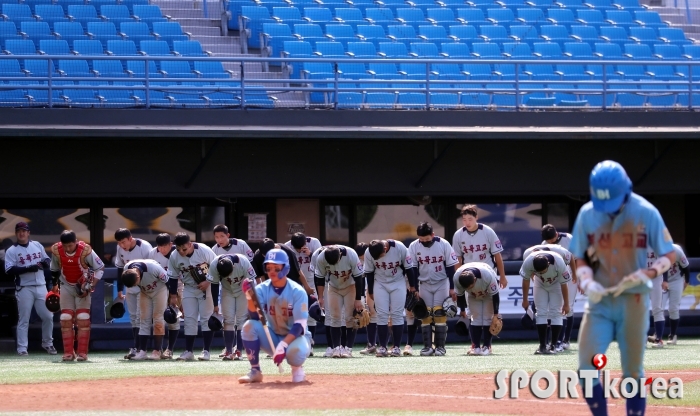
282,305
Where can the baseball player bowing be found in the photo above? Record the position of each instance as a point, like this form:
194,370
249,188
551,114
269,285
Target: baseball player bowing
230,270
161,253
130,248
386,264
671,290
476,242
77,268
284,304
304,247
550,235
151,279
476,286
436,267
339,267
551,292
190,262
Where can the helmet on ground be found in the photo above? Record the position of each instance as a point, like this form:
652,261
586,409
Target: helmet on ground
53,302
317,313
462,327
277,256
609,186
528,318
420,309
170,314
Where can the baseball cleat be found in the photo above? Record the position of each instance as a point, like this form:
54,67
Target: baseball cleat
545,351
132,352
673,340
440,351
22,353
68,357
426,352
395,352
658,344
186,356
486,351
227,357
204,356
237,355
155,355
255,376
369,350
382,352
81,357
552,349
408,350
224,353
474,351
51,350
141,355
558,348
565,345
328,353
347,352
337,352
166,355
652,339
298,375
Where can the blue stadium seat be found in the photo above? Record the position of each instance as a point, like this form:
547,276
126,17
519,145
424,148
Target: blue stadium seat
341,33
77,68
547,50
189,48
131,4
629,5
541,72
349,16
443,100
50,13
309,32
155,48
330,50
288,15
362,49
487,51
10,68
673,35
517,50
383,16
36,30
532,16
659,95
494,34
411,16
393,50
13,98
177,69
37,67
169,32
542,4
554,33
561,16
608,51
371,33
587,34
384,100
668,52
649,18
411,100
598,4
273,36
524,33
456,51
22,47
436,34
478,71
116,14
117,98
8,30
441,16
474,17
424,50
104,32
383,70
616,34
70,31
401,33
644,34
691,52
138,68
122,47
352,70
350,100
108,69
590,17
55,47
464,33
620,18
212,69
83,14
317,15
503,16
17,13
569,4
578,50
148,14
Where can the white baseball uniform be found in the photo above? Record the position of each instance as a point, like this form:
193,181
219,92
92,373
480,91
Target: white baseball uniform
564,240
432,263
234,305
340,288
547,286
479,299
140,252
154,295
154,254
235,246
480,246
304,260
389,282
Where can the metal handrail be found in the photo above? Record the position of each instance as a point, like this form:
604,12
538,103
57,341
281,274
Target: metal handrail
427,84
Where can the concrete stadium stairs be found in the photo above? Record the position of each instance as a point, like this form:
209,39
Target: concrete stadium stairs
676,14
207,30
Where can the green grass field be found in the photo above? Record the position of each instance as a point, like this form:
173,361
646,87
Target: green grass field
39,367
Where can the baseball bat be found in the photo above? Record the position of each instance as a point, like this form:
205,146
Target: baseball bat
263,321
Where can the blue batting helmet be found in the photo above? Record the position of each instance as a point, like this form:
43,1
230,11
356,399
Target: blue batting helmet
277,256
610,185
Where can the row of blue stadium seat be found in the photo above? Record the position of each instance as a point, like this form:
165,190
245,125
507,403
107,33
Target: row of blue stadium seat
112,47
65,4
162,94
102,31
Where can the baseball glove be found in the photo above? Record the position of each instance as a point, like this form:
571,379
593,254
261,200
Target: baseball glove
360,318
411,301
496,325
199,272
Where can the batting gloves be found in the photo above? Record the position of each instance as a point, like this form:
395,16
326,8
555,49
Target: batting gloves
631,280
246,285
280,352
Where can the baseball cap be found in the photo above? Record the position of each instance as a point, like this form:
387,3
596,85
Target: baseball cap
21,226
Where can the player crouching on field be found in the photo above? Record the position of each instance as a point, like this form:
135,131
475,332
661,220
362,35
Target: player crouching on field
480,280
151,278
77,278
283,304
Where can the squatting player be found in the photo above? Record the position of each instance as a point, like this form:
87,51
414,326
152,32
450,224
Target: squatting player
613,231
286,309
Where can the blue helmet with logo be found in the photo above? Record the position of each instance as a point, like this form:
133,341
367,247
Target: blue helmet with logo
610,185
277,256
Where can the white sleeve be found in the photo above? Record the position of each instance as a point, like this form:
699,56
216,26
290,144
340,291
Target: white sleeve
496,246
246,249
565,275
407,258
158,271
173,270
10,259
95,262
213,274
493,286
357,269
118,262
369,262
455,245
526,270
43,251
680,256
450,255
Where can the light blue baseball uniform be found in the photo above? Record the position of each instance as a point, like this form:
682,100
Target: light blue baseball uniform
619,244
282,310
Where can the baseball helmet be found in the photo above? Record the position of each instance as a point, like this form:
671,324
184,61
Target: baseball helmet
117,309
317,313
215,323
462,327
53,302
610,185
450,307
170,314
224,266
277,256
420,309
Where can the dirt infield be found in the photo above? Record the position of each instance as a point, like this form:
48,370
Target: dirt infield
442,393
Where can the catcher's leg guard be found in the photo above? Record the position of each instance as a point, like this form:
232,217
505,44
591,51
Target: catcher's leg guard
67,333
427,332
440,338
83,321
